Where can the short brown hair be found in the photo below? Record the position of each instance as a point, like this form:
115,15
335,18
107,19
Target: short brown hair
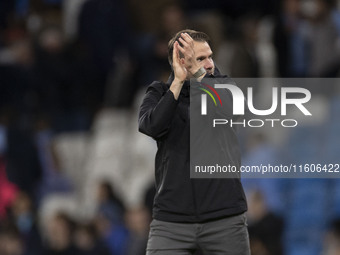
195,35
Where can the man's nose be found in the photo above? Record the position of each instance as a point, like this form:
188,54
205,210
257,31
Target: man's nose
209,63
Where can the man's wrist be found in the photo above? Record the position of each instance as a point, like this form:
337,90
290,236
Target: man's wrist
200,72
178,81
194,69
176,87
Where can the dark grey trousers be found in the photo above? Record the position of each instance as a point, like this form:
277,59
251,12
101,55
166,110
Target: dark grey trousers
228,236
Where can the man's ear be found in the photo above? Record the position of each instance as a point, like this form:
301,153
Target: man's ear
182,61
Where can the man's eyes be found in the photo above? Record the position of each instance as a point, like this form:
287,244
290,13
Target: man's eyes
201,59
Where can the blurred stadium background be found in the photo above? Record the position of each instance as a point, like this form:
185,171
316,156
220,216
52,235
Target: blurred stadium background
75,175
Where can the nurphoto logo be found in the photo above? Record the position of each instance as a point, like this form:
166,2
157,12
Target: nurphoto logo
240,102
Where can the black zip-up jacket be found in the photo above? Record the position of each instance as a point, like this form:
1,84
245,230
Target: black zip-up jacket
179,198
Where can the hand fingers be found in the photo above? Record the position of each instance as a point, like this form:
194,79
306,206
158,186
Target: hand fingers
188,39
187,52
184,43
175,53
178,67
180,48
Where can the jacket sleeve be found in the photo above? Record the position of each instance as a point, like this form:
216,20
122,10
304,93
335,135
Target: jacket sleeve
157,110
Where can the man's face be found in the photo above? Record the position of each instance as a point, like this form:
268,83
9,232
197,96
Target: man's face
203,55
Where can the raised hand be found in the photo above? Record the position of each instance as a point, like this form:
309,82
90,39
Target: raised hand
187,49
178,66
184,62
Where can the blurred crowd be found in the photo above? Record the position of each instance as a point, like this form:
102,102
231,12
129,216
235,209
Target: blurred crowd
75,176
